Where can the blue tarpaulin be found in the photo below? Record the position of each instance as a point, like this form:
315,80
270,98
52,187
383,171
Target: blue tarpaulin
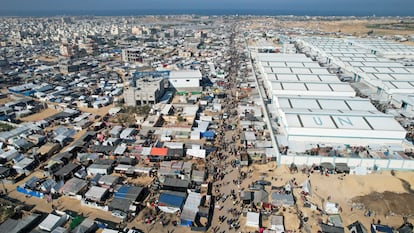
29,192
208,134
381,228
171,200
122,192
186,222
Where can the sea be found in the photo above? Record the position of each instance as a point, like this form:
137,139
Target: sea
209,12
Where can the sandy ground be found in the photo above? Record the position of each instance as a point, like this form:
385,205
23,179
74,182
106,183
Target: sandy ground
355,27
40,115
6,100
47,58
98,111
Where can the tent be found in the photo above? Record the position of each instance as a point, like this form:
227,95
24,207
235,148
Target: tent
190,209
253,219
52,221
171,202
261,196
381,228
276,223
331,208
357,227
306,187
209,135
96,193
198,153
360,171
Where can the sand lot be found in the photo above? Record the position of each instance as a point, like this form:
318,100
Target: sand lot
339,189
40,115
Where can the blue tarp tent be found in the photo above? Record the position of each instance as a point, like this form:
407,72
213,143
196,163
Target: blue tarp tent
208,135
171,200
381,228
186,222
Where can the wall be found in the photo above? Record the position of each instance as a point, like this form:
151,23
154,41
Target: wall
396,164
181,82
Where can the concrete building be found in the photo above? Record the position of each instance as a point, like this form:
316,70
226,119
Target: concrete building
132,55
149,90
185,79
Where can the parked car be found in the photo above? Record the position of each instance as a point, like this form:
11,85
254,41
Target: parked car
119,214
262,182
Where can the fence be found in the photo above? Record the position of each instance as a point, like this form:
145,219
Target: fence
29,192
387,164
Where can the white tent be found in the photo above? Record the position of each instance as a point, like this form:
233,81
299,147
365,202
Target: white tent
52,221
359,171
306,187
276,223
331,208
195,135
198,153
252,219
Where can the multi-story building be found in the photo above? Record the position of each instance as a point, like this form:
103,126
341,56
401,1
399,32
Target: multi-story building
131,55
148,90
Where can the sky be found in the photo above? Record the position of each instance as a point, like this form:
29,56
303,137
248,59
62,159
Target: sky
368,7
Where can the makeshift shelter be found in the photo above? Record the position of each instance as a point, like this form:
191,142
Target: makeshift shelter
176,185
246,197
115,131
306,187
108,181
195,135
325,228
335,220
25,165
380,228
328,167
196,153
208,135
171,202
357,227
407,227
158,154
8,155
67,171
342,168
190,209
360,171
198,176
280,199
32,182
276,223
52,221
5,172
73,186
86,226
331,208
253,220
261,196
125,196
122,168
103,169
127,133
96,194
26,224
175,153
